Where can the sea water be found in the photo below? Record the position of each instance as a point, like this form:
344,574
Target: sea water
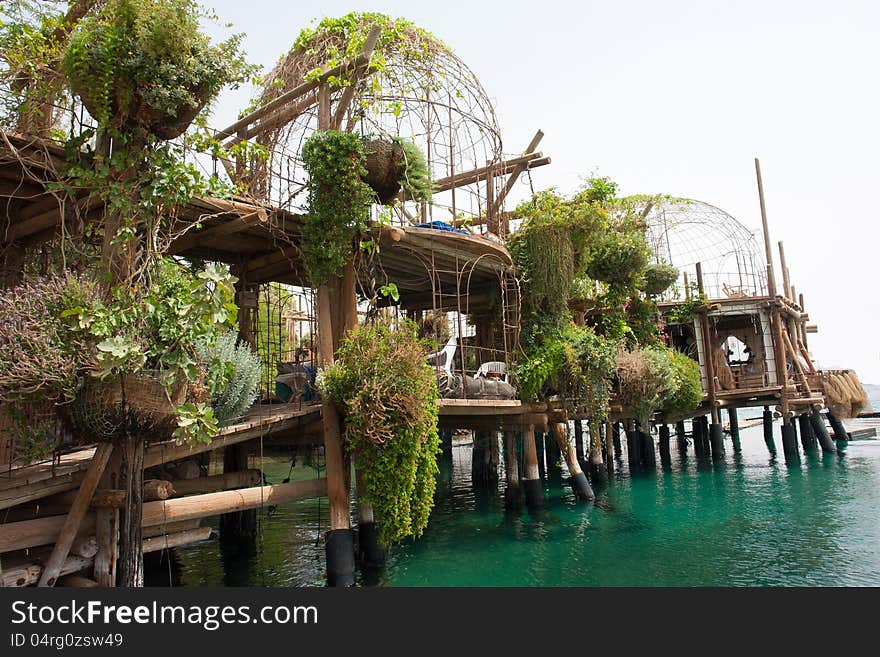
750,520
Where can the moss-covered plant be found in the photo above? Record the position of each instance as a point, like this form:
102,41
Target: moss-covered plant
339,201
388,394
415,176
147,64
659,277
239,368
618,257
687,394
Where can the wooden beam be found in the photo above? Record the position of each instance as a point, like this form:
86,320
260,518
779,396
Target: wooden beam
517,171
72,522
228,227
177,539
49,218
290,96
226,481
475,175
348,94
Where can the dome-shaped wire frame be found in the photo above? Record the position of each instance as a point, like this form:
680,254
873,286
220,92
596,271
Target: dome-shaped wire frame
435,101
684,232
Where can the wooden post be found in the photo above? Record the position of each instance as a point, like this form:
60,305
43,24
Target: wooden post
665,456
734,428
371,552
578,480
77,512
786,281
771,279
579,442
609,448
513,493
598,473
238,525
531,478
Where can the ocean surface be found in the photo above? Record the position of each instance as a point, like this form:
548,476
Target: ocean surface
749,521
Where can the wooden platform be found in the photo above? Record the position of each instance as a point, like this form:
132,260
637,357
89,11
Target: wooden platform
863,427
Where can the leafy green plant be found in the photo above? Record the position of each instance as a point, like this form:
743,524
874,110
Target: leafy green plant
618,257
147,63
339,201
159,329
659,277
415,176
239,369
388,393
687,394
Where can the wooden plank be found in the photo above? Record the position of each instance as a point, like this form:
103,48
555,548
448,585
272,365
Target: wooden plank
78,511
348,94
514,175
227,227
475,175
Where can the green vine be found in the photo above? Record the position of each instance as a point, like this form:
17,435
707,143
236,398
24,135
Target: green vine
389,397
339,201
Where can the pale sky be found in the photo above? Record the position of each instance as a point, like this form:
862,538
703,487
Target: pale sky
678,97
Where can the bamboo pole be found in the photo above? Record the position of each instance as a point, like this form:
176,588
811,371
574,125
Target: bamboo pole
74,519
786,280
771,279
214,483
32,533
167,541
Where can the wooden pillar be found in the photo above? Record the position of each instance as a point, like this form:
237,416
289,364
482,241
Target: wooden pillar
578,480
371,552
633,447
552,455
531,476
513,492
540,451
821,431
734,428
598,473
808,438
339,541
841,436
768,430
681,436
237,525
107,527
665,456
609,448
579,442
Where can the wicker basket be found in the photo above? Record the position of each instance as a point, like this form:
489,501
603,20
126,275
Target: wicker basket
131,403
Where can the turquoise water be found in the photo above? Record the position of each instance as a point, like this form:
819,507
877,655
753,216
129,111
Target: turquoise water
749,521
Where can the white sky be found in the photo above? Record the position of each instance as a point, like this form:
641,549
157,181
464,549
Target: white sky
678,97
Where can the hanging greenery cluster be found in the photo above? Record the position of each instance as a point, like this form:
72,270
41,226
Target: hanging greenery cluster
147,64
657,378
414,176
339,201
388,394
618,257
659,277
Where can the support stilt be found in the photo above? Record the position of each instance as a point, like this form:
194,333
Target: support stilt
681,436
716,440
789,443
665,458
808,438
841,436
513,492
371,552
647,452
578,480
768,430
734,429
821,431
531,476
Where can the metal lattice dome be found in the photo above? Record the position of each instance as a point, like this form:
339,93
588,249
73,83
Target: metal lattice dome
684,232
423,92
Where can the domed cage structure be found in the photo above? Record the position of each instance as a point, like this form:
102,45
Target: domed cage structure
685,232
416,89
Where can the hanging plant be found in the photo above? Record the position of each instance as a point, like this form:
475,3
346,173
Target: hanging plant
618,257
388,394
394,165
339,201
659,277
147,64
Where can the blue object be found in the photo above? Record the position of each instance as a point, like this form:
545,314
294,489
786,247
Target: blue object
442,225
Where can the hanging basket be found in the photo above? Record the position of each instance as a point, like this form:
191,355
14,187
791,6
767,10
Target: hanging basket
130,403
383,164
